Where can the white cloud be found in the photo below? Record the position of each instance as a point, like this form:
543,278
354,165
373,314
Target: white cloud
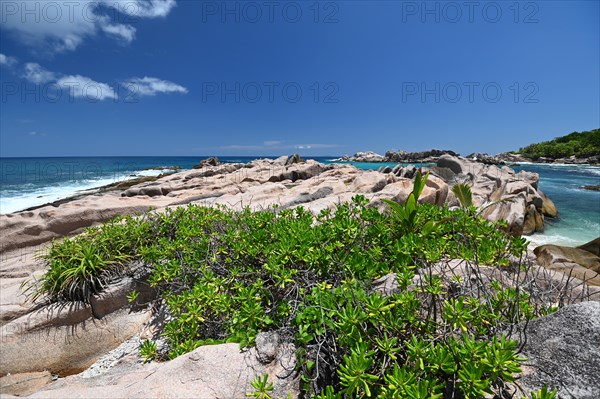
272,142
87,88
84,87
7,61
38,75
56,27
37,134
126,33
277,145
147,86
142,8
77,85
313,146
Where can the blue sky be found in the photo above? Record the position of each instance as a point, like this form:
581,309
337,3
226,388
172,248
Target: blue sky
166,77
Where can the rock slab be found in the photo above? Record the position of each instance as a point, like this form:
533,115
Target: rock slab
563,351
213,371
582,262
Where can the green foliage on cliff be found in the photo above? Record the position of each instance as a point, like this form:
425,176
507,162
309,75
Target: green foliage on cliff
580,144
225,276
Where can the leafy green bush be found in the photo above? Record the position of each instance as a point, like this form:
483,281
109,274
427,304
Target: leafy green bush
81,266
148,350
224,276
262,387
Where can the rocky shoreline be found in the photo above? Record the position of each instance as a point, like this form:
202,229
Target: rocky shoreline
287,182
82,335
432,156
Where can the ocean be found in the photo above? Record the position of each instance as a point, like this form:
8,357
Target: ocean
29,182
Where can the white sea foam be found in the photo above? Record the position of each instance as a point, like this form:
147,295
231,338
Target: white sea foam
556,239
151,172
29,195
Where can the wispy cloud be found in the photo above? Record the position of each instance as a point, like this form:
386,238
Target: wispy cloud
77,85
7,61
272,142
142,8
36,134
148,86
38,75
84,87
315,146
57,27
126,33
277,145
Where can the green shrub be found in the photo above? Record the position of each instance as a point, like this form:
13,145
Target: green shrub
148,350
81,266
224,276
262,387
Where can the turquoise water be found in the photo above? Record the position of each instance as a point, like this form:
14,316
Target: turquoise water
27,182
578,209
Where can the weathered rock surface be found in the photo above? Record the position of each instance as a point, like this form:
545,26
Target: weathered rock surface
514,157
368,156
28,228
563,351
294,158
267,182
213,371
592,246
211,161
485,159
68,339
399,156
546,285
65,343
25,383
582,262
500,192
421,156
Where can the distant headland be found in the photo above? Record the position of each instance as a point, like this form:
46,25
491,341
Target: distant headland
573,148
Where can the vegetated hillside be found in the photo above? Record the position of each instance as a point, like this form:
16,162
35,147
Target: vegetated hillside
580,144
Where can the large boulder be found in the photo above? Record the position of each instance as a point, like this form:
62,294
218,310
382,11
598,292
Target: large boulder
460,165
211,161
370,182
582,262
562,351
534,221
66,339
513,211
368,156
24,383
500,192
212,371
30,228
439,190
294,158
485,158
592,246
421,156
